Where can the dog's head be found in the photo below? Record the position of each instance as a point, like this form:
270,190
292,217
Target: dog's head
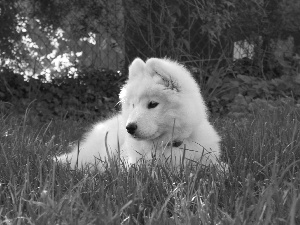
157,100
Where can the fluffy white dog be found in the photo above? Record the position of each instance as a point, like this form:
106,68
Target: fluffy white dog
163,112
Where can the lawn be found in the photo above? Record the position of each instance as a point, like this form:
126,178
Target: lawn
261,185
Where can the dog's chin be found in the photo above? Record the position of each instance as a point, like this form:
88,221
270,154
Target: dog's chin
140,137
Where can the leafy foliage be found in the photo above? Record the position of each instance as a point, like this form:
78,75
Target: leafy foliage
8,33
40,34
238,88
91,95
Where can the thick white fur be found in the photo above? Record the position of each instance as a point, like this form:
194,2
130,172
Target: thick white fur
181,115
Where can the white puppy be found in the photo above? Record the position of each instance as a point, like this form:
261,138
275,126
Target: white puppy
162,112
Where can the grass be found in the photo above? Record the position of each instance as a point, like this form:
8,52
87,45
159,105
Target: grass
260,187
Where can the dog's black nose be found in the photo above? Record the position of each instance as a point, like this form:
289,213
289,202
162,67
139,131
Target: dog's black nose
131,128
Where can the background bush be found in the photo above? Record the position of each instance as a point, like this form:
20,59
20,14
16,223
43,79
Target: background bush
89,96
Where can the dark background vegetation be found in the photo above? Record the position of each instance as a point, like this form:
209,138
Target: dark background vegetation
34,35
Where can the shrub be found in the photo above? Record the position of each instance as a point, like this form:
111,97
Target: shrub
91,95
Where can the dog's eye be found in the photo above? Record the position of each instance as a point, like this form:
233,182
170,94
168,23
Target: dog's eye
152,104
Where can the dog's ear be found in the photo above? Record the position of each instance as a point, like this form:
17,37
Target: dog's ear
162,72
167,81
136,68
